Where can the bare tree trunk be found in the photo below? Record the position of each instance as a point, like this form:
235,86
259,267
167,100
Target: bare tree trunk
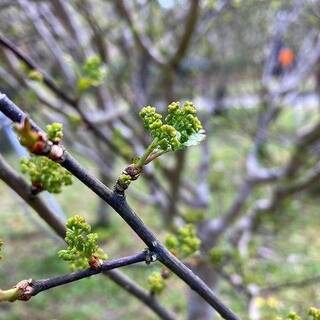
197,307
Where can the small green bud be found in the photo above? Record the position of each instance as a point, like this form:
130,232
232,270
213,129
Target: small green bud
55,132
171,243
173,107
156,283
93,73
125,179
185,243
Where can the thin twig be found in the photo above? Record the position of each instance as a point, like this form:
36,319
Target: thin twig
46,284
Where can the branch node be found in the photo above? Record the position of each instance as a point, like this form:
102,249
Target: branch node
130,173
25,290
150,256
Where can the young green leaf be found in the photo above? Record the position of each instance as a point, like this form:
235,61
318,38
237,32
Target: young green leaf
195,139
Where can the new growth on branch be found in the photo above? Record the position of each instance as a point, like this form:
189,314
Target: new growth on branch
179,129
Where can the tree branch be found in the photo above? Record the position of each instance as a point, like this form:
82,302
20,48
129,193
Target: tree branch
290,284
21,187
190,25
30,288
32,65
148,299
118,202
139,39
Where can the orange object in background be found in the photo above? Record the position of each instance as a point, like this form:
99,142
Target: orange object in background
286,57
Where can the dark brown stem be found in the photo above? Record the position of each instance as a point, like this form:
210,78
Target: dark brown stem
46,284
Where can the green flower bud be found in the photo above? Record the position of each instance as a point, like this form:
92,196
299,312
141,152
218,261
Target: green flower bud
156,283
314,313
93,73
45,174
78,223
185,243
178,127
82,248
171,242
55,132
293,316
173,107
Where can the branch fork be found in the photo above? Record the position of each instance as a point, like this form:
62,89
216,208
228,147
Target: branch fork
130,173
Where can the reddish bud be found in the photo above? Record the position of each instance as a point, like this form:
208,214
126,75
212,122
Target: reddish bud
95,262
25,290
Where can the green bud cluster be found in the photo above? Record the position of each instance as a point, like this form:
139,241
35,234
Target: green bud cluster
175,131
185,242
1,244
293,316
217,255
183,119
92,72
314,313
82,244
55,132
156,283
124,181
45,174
